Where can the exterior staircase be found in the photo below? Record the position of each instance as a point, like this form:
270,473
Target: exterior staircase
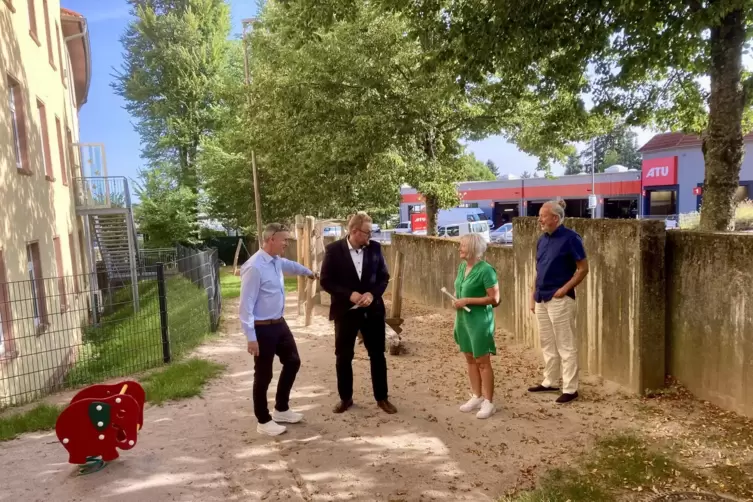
110,232
104,202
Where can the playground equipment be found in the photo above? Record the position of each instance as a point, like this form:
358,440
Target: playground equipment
310,246
99,420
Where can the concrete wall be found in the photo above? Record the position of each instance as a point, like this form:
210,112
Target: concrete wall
710,316
620,315
620,304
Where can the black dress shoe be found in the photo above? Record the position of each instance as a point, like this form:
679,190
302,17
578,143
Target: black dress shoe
387,407
343,406
541,388
566,398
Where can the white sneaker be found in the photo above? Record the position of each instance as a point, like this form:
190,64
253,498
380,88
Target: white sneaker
472,404
288,417
271,428
487,409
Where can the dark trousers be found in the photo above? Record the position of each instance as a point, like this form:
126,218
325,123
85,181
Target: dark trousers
346,332
274,339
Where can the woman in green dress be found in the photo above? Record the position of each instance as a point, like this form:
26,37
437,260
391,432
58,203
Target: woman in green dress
476,287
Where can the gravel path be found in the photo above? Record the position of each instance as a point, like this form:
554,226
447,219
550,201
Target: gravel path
207,449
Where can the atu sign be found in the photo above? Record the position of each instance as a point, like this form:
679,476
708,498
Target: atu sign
659,172
418,222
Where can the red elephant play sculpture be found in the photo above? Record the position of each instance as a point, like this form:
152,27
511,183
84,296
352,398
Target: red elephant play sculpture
99,420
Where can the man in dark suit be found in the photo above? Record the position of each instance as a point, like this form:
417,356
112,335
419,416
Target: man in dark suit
355,275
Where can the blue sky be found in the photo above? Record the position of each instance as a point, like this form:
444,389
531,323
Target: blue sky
103,119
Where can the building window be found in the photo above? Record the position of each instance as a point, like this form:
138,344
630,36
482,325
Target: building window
48,34
45,139
60,53
61,151
38,296
6,314
61,274
33,21
18,125
71,153
74,264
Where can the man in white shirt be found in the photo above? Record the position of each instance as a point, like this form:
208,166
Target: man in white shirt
261,314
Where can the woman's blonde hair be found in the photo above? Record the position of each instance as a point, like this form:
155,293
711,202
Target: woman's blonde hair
476,245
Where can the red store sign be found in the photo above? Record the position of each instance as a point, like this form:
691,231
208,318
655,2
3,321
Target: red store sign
659,172
418,222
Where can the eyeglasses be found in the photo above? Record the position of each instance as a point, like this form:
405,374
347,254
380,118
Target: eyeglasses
365,232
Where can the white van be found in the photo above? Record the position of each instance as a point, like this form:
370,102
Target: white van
470,227
459,214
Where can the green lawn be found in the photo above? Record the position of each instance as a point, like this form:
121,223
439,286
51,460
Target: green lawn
181,380
126,342
231,284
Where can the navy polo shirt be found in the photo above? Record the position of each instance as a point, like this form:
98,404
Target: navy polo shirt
556,255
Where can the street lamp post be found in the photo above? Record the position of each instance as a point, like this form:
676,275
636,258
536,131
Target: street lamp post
257,199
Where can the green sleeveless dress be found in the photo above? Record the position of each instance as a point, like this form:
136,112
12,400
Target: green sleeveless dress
474,330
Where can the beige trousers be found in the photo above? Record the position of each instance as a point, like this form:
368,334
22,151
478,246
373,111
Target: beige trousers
556,319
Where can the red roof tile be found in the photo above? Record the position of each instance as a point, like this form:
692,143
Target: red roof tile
69,12
668,140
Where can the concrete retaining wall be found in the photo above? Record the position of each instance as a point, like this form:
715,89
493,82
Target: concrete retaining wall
620,316
431,263
710,316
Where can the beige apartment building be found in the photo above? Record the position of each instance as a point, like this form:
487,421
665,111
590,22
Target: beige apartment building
45,70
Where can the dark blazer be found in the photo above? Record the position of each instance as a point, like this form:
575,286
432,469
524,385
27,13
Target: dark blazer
339,278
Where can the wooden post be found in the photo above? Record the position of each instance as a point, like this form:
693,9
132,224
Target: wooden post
237,253
299,258
394,322
396,308
308,233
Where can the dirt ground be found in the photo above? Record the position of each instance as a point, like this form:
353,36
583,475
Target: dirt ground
207,449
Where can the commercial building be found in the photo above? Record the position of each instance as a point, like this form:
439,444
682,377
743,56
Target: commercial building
45,70
670,182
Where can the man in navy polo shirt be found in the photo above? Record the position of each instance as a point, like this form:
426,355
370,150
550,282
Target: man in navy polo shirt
560,266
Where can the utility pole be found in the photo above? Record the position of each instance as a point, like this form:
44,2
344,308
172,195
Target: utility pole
257,198
593,177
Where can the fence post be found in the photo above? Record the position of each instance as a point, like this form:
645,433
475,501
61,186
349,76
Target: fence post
163,311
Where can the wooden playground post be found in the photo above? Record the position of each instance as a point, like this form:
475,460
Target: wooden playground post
237,254
394,321
300,259
309,254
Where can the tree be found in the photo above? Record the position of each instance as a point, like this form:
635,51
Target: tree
347,114
642,60
573,165
618,146
492,168
348,99
526,175
165,213
174,54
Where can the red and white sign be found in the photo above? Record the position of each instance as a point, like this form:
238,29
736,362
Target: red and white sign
418,222
697,190
659,172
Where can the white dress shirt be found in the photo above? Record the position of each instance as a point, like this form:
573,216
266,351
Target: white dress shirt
357,256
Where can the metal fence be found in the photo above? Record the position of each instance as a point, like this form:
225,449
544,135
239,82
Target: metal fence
51,340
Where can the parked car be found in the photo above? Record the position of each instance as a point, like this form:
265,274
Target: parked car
375,229
332,231
502,235
463,228
403,228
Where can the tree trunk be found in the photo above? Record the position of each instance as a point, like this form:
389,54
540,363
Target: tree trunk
432,207
723,142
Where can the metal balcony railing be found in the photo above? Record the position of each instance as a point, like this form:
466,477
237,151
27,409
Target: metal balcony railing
103,192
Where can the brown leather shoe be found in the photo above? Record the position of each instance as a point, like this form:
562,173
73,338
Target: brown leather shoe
342,406
387,407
